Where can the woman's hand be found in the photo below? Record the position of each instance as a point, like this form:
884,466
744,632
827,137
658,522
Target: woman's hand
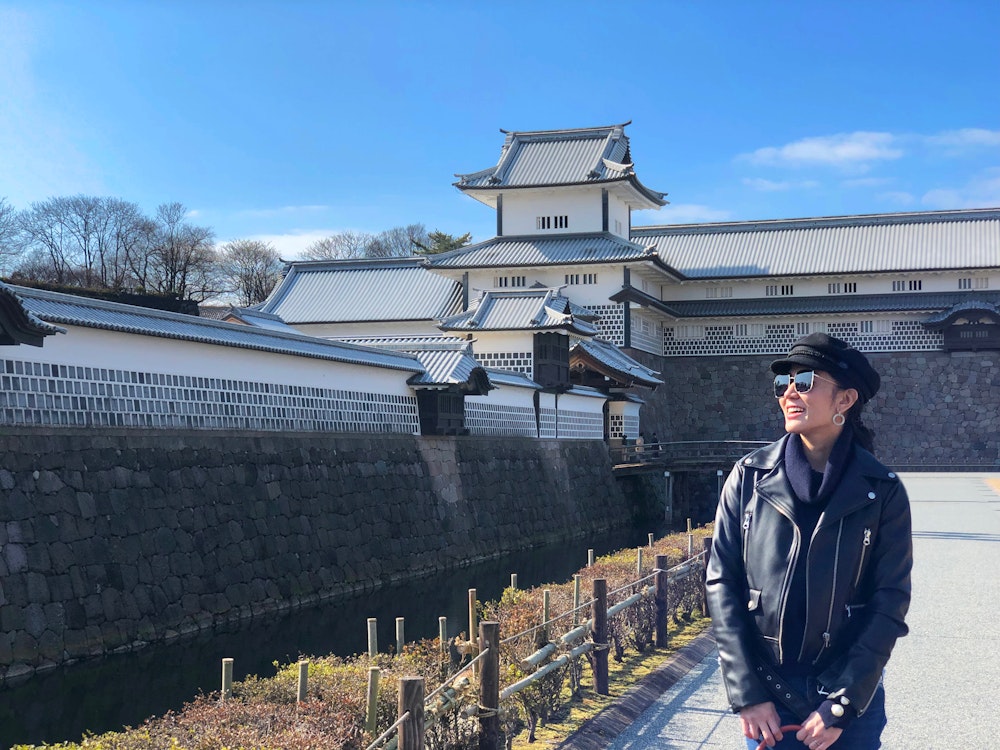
815,735
761,720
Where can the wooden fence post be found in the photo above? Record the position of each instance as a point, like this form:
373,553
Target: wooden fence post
400,636
489,686
411,698
372,637
443,639
473,630
590,558
546,596
638,562
662,589
303,681
371,719
227,679
513,580
576,599
599,635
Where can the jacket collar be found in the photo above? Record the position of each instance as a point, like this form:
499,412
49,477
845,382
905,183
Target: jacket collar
859,486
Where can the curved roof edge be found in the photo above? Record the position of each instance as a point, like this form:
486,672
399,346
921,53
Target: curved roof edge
18,325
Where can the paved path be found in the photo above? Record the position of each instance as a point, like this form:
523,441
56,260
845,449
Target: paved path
944,672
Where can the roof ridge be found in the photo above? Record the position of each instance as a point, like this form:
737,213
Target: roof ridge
847,220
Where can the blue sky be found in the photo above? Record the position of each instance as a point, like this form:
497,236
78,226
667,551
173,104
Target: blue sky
293,120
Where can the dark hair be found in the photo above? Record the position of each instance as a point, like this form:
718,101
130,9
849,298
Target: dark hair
864,436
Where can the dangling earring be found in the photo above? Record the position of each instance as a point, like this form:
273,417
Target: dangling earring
839,419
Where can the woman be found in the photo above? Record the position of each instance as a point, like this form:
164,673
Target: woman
809,580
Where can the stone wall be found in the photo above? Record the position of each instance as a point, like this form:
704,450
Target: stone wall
111,539
935,410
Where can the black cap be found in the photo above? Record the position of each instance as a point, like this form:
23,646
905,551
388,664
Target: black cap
849,367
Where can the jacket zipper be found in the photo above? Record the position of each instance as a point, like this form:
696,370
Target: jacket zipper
864,550
833,593
746,529
787,583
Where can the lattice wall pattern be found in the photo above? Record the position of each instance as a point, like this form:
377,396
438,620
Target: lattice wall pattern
497,419
718,339
513,361
37,393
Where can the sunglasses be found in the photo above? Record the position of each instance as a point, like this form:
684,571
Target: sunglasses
803,382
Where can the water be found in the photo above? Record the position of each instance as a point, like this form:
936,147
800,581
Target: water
123,690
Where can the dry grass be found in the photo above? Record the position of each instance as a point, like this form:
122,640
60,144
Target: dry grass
623,676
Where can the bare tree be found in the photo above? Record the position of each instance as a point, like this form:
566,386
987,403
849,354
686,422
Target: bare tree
183,260
343,245
398,242
51,247
251,268
10,244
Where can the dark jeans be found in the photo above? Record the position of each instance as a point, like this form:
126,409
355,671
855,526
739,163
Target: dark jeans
864,733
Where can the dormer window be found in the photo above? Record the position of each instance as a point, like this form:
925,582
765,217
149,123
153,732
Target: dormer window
552,222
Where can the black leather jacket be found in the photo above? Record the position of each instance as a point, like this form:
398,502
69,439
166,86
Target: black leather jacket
858,577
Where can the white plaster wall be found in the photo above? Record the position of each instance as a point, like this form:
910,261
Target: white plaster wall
819,287
592,403
89,347
503,341
581,205
618,211
506,395
610,277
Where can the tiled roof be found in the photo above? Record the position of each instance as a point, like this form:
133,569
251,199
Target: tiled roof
53,307
840,304
447,360
519,310
608,359
393,289
927,241
561,157
976,307
509,377
252,317
18,324
549,250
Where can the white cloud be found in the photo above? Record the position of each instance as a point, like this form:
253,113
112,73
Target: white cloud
965,138
982,191
691,213
291,245
771,186
897,197
850,150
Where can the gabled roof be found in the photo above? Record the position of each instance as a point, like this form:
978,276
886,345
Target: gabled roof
54,307
519,310
447,360
549,250
340,291
510,378
251,317
18,325
546,158
608,360
878,243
